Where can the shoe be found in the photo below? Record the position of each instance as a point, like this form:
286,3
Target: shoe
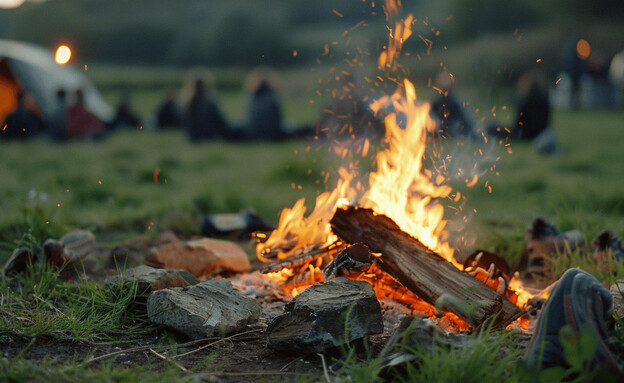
606,244
577,300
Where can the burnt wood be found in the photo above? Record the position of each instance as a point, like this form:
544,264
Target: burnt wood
421,270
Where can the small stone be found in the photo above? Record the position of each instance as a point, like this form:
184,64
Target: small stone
210,308
327,315
200,257
150,279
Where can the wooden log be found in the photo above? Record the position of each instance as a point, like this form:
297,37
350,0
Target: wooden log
421,270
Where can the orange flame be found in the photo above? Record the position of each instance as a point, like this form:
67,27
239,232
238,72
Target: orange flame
400,188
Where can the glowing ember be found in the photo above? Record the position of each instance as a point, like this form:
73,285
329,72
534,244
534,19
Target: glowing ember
63,54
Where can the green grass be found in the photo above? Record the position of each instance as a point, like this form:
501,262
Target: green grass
109,187
38,303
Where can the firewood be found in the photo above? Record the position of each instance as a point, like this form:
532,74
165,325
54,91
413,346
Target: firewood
421,270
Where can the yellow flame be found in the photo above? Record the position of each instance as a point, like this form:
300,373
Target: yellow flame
400,188
63,54
302,231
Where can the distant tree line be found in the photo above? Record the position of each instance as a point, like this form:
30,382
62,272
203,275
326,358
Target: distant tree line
249,33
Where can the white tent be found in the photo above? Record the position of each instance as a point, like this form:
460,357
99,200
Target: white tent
32,69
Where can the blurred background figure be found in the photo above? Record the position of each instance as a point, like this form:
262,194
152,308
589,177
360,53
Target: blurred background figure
203,118
533,107
57,124
81,123
264,118
169,113
598,89
125,116
348,114
574,54
22,123
533,122
448,111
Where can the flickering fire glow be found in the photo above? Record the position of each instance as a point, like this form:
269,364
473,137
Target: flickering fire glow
400,188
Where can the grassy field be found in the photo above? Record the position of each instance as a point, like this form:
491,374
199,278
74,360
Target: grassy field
135,179
138,182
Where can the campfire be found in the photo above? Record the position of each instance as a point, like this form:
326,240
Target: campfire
398,217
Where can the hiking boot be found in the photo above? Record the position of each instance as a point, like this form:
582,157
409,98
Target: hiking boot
577,300
544,241
78,244
54,253
20,260
607,245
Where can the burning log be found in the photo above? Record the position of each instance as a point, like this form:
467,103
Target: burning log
421,270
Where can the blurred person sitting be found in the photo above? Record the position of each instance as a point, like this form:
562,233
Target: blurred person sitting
348,115
125,116
574,67
452,122
81,123
57,123
169,114
264,110
204,119
22,123
599,89
533,108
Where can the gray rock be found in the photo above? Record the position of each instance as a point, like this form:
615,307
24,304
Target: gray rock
327,315
150,279
206,309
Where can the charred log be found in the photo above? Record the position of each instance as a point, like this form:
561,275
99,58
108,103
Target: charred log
421,270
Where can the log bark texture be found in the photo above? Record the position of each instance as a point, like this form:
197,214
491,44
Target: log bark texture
421,270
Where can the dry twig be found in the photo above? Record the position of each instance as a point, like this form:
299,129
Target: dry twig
325,371
178,365
213,343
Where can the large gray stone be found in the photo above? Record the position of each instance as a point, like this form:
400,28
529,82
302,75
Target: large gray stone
210,308
327,315
150,279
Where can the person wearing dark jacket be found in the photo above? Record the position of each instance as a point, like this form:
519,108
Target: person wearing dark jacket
204,118
264,111
452,121
22,123
534,108
169,113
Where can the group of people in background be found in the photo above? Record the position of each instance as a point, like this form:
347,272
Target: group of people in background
196,109
199,112
67,121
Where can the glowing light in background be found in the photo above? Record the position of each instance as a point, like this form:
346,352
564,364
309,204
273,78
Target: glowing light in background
63,54
583,49
11,3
